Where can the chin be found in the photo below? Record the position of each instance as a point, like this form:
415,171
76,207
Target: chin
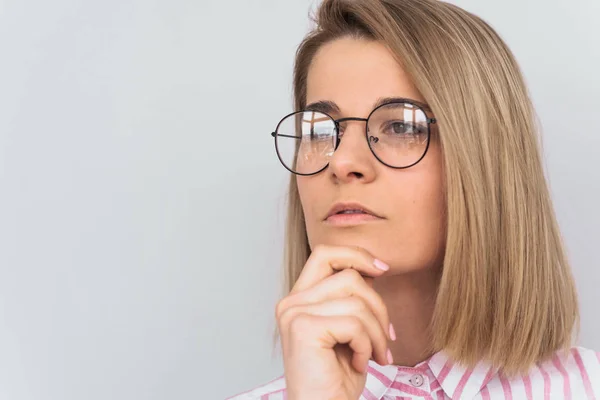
403,256
370,243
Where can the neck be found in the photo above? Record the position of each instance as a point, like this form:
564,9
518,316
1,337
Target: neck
410,299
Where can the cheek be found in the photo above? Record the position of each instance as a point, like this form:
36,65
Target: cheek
420,196
303,192
308,193
431,190
437,178
432,209
421,186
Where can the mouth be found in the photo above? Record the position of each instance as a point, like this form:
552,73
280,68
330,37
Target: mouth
350,213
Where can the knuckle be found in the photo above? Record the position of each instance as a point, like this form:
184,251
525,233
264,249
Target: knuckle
280,307
355,324
299,323
357,304
381,305
356,278
286,317
352,278
382,343
360,250
351,275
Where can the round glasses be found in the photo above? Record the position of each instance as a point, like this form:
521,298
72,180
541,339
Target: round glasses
397,132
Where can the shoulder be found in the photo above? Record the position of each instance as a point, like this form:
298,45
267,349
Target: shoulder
576,373
577,362
273,390
572,374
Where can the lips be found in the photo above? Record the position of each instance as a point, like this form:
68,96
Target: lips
350,208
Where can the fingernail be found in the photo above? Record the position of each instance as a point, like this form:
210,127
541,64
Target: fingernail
381,265
392,333
389,357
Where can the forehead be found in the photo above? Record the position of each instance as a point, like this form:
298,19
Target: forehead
355,73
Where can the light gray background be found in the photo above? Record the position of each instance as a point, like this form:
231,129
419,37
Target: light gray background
141,202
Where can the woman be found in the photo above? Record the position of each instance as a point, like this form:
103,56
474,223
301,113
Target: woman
423,256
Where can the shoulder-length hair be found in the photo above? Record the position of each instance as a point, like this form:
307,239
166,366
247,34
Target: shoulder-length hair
506,293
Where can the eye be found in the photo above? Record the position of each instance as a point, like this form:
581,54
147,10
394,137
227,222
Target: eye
403,128
398,127
321,135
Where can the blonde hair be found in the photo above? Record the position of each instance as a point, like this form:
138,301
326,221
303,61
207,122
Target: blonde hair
506,293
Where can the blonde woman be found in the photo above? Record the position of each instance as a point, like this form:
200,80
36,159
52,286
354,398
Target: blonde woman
423,257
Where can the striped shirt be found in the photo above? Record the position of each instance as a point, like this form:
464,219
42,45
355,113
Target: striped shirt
576,377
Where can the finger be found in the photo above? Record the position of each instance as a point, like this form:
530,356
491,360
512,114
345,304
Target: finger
349,330
346,283
348,306
330,331
326,260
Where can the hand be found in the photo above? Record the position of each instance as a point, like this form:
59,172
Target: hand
332,323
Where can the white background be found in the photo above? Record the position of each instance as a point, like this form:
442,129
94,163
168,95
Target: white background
141,201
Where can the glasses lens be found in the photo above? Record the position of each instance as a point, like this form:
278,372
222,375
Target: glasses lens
398,134
305,141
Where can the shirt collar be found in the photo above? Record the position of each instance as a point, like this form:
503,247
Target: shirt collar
456,380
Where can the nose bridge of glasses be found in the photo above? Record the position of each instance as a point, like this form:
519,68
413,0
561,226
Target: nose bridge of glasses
350,119
342,127
338,123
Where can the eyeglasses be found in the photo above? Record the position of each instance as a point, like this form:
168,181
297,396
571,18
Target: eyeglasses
397,132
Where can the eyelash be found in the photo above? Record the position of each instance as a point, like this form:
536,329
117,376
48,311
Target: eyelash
416,128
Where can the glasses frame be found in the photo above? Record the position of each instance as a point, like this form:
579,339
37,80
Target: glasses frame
422,106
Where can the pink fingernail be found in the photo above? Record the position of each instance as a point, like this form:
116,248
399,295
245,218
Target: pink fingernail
392,332
389,357
381,265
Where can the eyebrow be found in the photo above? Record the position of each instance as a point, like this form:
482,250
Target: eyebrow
330,107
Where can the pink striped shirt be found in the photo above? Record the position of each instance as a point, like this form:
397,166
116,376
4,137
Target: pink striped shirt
575,377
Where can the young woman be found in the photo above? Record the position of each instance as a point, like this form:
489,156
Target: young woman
423,257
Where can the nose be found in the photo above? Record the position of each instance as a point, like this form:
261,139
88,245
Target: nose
352,160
